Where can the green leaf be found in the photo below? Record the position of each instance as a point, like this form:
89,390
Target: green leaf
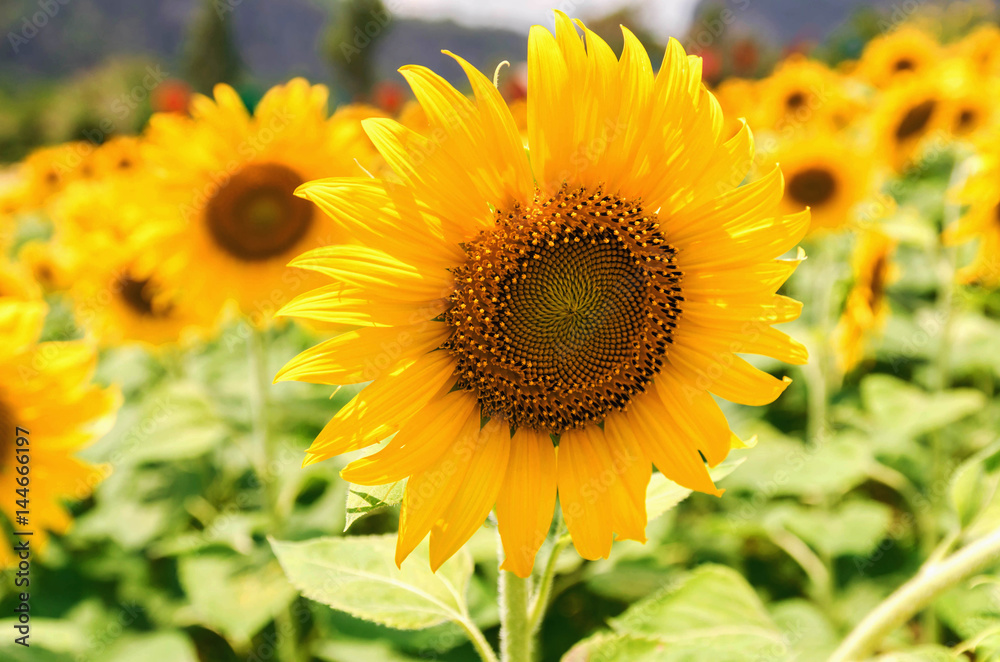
662,494
975,491
357,575
234,595
806,628
363,501
853,528
164,646
919,654
908,411
972,612
789,467
709,614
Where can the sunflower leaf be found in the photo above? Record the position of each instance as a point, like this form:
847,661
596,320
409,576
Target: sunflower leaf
975,491
357,575
662,494
363,500
710,614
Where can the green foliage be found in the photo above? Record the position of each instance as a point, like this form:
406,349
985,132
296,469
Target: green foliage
358,576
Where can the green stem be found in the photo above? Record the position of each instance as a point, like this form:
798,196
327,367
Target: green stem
541,601
817,370
260,382
932,580
516,636
478,640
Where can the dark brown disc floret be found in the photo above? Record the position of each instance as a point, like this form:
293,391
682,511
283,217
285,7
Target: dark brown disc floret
564,310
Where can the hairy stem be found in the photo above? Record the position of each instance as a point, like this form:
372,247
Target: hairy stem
932,580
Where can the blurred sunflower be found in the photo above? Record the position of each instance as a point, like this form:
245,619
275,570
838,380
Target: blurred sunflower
119,156
981,48
799,94
906,116
114,298
46,388
828,175
223,221
903,53
47,263
970,98
93,217
552,320
981,220
47,171
17,284
866,309
121,304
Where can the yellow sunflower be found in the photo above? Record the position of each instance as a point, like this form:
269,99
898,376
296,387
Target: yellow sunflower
17,284
551,321
48,170
47,263
801,93
908,119
94,217
46,389
828,175
866,309
970,98
981,221
981,48
222,218
904,53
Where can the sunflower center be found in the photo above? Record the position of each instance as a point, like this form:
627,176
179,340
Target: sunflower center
564,310
256,216
812,186
795,100
904,64
915,120
966,119
136,295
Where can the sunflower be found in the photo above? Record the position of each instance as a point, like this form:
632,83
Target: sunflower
828,175
48,170
119,156
980,48
970,98
17,284
47,264
799,94
46,389
904,53
222,221
908,119
550,321
866,309
981,197
93,217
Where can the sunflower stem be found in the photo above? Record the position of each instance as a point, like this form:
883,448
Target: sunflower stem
259,384
516,636
932,580
541,600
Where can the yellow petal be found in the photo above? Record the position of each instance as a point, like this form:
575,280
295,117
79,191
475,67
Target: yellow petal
527,499
477,493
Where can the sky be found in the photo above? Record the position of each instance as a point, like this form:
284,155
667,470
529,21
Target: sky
664,16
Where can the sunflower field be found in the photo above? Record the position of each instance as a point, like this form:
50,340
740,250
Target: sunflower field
638,349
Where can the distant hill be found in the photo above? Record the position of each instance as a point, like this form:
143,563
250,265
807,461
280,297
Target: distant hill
277,39
784,21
